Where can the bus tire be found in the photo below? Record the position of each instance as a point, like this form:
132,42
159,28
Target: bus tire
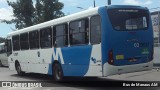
58,73
18,69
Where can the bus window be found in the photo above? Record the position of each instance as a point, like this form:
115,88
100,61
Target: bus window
79,32
34,39
129,19
24,41
46,37
16,44
95,29
61,35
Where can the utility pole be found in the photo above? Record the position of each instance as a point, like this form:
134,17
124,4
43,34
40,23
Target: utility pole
109,2
94,3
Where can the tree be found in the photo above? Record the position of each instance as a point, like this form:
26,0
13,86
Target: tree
48,9
27,15
23,12
2,40
38,16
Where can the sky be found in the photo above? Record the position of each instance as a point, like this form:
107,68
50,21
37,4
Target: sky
70,7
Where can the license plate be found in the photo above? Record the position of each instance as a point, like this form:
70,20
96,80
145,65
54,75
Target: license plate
119,57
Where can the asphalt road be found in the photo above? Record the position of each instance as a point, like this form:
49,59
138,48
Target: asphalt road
78,83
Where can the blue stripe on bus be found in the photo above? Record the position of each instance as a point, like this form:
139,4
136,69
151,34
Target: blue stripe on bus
105,26
76,60
50,65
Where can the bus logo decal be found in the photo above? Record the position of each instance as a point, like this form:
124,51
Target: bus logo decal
136,45
93,59
57,54
15,54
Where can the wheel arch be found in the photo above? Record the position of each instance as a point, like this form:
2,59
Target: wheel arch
54,64
16,62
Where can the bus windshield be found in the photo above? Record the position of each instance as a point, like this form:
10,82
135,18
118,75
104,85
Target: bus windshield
128,19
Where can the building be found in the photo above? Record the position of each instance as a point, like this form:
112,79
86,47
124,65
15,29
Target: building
155,16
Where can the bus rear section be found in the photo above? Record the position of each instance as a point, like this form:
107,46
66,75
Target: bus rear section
129,40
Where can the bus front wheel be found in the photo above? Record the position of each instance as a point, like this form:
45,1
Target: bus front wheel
58,73
18,69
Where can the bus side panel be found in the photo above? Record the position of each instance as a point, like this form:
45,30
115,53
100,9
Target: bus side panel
19,56
95,66
76,60
11,63
104,34
37,60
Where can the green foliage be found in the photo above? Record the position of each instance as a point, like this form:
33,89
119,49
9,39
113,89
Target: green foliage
23,12
27,15
52,10
2,40
47,10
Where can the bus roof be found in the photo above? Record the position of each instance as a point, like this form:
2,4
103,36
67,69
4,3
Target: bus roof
79,15
57,21
126,6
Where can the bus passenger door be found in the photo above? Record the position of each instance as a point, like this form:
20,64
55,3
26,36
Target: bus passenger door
9,47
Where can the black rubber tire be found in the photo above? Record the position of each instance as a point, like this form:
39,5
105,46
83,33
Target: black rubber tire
58,73
18,69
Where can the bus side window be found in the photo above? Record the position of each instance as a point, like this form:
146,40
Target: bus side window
79,32
24,41
34,39
95,31
16,44
46,37
61,35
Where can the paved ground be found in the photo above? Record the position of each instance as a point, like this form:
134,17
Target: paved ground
153,75
73,83
7,75
157,55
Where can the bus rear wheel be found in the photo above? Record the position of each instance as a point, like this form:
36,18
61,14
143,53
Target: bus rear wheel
58,73
18,69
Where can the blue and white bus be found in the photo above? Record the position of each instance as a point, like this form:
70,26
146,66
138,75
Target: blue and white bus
97,42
